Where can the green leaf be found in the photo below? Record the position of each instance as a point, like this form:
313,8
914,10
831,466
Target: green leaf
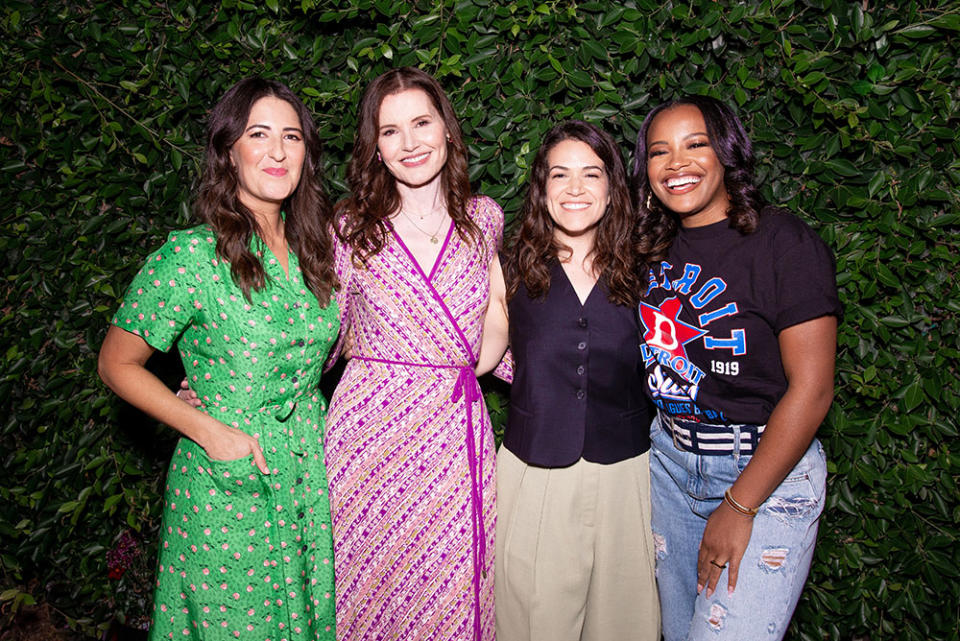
843,167
69,506
917,31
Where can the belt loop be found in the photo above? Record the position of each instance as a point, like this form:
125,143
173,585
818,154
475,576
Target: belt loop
736,443
673,431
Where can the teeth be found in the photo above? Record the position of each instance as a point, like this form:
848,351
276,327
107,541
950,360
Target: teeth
575,205
415,158
682,180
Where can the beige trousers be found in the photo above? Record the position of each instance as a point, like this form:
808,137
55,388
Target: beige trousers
575,558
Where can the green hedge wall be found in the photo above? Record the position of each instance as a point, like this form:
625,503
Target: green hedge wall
854,108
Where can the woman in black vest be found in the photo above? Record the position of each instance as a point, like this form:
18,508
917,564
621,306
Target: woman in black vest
574,545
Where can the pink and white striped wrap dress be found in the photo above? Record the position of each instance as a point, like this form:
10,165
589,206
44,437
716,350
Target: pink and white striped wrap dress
409,446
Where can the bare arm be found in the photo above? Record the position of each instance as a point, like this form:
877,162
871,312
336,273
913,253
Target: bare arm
121,366
495,327
808,351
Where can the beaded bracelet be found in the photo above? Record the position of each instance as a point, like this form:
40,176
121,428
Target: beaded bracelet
746,511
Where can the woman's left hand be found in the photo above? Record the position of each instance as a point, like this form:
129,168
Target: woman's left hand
807,351
724,541
187,395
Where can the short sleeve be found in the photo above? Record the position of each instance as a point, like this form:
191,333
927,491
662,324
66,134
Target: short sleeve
343,267
505,368
805,273
489,217
162,299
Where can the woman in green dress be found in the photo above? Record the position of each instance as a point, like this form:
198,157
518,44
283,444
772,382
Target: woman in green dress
246,549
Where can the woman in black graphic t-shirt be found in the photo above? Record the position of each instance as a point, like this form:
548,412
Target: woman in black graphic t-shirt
738,323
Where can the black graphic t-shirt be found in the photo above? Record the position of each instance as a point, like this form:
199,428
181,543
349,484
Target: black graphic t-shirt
713,310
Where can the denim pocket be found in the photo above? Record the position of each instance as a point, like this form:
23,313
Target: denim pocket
801,493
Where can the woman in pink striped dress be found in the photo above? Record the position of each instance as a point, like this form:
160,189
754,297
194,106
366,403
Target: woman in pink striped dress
409,448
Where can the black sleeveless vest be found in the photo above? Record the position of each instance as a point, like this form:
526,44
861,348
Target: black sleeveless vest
577,388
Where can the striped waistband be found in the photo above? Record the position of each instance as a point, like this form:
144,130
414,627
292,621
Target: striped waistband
706,439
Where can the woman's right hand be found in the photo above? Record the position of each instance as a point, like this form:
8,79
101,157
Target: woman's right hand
231,444
187,395
121,366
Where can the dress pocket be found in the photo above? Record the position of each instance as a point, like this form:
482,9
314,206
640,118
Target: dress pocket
236,475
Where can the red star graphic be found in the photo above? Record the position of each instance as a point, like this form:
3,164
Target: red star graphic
664,330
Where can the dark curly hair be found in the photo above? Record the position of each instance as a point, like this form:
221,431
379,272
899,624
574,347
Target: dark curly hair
373,189
533,247
729,140
308,214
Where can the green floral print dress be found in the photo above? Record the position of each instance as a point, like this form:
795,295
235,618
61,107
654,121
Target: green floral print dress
243,555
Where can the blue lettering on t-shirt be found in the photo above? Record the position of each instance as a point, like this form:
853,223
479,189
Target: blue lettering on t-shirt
687,370
710,290
651,282
665,283
730,309
691,272
678,408
737,343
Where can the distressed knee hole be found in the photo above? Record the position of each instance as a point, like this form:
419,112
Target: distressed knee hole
717,617
659,545
773,559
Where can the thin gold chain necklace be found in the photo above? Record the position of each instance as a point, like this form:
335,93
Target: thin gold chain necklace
433,237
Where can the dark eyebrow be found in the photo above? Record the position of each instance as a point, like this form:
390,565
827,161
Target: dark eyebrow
599,167
664,142
268,127
414,119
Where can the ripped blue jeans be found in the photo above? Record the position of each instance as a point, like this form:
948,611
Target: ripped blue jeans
685,489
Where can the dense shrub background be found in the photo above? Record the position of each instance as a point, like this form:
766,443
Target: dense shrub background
854,108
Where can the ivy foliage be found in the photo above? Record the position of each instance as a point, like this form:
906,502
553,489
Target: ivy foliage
853,107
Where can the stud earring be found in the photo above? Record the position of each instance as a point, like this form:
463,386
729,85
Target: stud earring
379,157
648,201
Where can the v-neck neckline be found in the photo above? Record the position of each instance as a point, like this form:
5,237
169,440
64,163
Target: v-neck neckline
413,259
566,278
285,272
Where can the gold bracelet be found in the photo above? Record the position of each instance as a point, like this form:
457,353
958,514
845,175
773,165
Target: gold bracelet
746,511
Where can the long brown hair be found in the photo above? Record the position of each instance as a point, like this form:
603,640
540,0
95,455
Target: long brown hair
308,214
729,139
533,246
373,189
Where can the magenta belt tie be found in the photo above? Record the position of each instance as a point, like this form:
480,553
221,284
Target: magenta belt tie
467,388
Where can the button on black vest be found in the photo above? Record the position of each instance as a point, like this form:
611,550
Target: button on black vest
577,388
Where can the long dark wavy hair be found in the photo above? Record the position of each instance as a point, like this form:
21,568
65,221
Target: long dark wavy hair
373,189
308,213
729,140
533,247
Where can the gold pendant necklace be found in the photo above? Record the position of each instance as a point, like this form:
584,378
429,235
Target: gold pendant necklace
433,237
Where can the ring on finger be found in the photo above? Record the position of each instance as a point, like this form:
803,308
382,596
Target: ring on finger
715,564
